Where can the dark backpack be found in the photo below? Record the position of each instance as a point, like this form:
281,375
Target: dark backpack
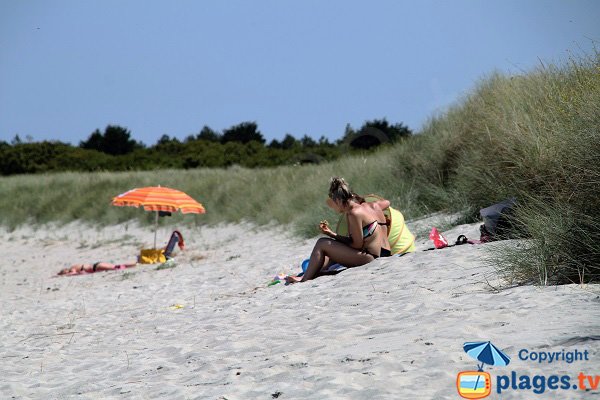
497,224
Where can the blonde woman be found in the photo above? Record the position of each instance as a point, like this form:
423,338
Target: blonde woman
367,227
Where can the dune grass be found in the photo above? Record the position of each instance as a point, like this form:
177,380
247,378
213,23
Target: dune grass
534,136
292,195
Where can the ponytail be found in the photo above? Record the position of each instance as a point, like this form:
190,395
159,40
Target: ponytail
359,199
339,190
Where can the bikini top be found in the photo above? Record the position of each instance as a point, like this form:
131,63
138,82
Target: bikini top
369,230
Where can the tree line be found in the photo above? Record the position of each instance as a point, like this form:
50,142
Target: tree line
114,149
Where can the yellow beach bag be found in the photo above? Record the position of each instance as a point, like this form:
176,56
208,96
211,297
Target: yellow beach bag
152,256
400,238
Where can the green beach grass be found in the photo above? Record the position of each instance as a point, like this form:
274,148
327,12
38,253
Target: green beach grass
535,137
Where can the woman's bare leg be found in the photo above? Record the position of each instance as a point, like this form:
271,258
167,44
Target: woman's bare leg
329,250
327,262
130,264
104,266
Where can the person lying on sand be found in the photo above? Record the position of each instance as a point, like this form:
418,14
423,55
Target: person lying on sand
368,233
77,269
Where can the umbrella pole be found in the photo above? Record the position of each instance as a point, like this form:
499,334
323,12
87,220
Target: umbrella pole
155,228
480,368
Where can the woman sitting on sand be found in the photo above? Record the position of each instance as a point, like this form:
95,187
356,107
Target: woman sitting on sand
367,227
77,269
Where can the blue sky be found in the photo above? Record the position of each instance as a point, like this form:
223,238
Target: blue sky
301,67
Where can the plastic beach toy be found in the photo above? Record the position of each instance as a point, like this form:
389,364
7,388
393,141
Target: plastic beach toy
305,265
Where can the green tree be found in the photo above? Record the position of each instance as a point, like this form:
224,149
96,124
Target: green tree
16,140
243,133
289,142
209,135
94,142
394,132
171,146
28,158
165,139
307,141
374,133
275,144
324,142
116,140
203,153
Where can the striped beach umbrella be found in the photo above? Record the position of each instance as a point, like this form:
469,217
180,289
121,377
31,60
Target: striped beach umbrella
487,353
158,198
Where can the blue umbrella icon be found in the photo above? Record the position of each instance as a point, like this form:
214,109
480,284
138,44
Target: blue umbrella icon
487,353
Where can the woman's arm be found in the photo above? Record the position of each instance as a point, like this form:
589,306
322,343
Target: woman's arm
343,239
355,230
379,206
324,226
383,203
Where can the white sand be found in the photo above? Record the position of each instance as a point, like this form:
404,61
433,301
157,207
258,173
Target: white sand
393,329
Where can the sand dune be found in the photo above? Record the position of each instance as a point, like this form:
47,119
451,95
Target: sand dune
210,328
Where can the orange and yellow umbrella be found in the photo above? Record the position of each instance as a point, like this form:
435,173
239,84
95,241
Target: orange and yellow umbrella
157,198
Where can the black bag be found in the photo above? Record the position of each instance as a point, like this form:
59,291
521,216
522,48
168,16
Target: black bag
497,224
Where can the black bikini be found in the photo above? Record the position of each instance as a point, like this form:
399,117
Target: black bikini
382,253
368,231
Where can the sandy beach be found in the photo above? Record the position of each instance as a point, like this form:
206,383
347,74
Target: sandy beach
212,328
